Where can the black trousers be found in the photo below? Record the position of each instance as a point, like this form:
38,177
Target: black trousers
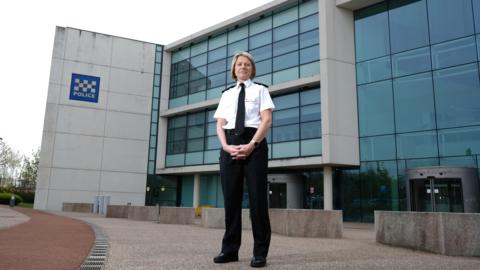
232,173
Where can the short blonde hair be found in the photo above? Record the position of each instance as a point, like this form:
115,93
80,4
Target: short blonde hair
234,61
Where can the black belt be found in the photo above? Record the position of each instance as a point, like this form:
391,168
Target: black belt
248,131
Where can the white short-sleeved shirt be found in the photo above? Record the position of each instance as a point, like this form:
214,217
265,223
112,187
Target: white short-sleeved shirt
257,99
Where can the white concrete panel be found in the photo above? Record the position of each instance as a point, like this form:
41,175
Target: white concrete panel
53,95
70,67
121,182
46,149
88,47
127,125
80,120
131,82
43,177
65,99
59,42
125,155
56,71
68,179
339,99
50,117
342,150
57,197
133,55
129,103
40,201
124,198
336,32
77,151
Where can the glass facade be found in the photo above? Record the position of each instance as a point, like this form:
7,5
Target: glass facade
284,43
295,132
418,98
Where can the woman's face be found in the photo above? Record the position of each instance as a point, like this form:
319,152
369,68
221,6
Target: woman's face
243,68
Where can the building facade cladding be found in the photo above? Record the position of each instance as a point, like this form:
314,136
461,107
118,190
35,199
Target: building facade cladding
285,38
417,65
96,148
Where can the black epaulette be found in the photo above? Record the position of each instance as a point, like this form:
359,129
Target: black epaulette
229,88
261,84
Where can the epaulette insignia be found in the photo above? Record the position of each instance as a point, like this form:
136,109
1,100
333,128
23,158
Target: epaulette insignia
261,84
229,88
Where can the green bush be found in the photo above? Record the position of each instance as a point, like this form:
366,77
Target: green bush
5,198
27,196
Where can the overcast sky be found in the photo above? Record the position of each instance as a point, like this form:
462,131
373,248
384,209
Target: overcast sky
27,34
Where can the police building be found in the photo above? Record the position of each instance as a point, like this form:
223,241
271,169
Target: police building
377,107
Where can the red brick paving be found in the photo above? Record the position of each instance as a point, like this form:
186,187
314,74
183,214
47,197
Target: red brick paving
46,241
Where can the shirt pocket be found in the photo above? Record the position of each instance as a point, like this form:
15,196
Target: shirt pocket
252,104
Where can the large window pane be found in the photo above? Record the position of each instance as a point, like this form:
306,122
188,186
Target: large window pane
377,148
311,130
310,113
217,67
286,149
449,19
239,46
309,54
374,70
217,54
414,105
198,73
198,60
217,80
410,62
375,108
285,46
262,53
417,145
286,101
285,61
457,96
285,16
408,25
459,141
237,34
261,25
260,39
454,53
309,39
310,96
264,67
285,117
285,31
285,133
308,23
371,33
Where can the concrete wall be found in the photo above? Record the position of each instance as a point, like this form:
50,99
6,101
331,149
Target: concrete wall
99,148
444,233
290,222
165,215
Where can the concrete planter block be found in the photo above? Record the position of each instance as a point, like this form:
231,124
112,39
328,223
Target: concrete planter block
142,213
77,207
117,211
444,233
177,215
307,223
215,218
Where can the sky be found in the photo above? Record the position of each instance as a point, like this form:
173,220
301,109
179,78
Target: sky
27,29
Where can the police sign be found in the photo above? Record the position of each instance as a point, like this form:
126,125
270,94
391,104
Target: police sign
85,88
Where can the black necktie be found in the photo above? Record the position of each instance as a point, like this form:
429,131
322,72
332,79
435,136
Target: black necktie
240,119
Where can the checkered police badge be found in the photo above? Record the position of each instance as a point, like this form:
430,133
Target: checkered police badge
84,88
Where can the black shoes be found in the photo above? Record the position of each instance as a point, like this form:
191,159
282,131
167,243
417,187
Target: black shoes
258,262
226,258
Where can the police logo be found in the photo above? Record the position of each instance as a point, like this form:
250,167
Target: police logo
85,88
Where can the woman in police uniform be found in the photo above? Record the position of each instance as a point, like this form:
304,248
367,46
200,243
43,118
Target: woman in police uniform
244,116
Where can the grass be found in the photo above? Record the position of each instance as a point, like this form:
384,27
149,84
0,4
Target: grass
26,205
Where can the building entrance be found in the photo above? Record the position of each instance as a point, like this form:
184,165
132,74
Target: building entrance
443,189
278,195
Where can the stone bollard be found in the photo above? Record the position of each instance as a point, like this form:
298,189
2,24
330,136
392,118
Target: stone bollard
12,201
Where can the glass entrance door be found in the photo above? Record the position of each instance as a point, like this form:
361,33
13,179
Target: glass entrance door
436,195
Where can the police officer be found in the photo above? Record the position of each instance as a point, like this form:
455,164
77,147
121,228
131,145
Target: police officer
244,116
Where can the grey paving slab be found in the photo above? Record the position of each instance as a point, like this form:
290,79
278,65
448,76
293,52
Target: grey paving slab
147,245
9,217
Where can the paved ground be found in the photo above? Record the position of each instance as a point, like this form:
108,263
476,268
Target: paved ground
147,245
31,239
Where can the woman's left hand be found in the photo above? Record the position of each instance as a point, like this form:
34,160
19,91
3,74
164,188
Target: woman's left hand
245,150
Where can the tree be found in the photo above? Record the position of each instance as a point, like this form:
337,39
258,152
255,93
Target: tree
28,174
9,164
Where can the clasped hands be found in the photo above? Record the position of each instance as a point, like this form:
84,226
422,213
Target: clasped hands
241,151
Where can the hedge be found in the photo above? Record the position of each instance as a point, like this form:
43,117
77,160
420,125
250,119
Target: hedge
5,198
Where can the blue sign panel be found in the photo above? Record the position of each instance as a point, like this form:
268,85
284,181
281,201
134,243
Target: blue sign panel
85,88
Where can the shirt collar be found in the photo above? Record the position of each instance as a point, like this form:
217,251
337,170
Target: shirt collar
247,83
